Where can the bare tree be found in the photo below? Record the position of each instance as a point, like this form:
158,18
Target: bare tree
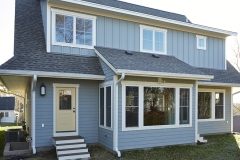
236,52
1,116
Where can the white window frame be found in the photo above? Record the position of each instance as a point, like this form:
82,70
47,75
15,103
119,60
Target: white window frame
213,91
104,86
74,15
198,37
141,85
154,29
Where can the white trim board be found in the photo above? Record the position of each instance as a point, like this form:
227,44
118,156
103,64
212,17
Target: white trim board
143,15
51,74
76,86
219,84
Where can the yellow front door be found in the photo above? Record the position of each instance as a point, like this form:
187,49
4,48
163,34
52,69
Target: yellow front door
65,109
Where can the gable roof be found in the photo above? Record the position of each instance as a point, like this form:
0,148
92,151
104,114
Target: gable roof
145,63
30,50
141,9
229,76
7,103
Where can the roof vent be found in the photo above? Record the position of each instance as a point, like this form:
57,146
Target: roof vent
129,52
156,55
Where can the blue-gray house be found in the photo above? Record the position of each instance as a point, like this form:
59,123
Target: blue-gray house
121,75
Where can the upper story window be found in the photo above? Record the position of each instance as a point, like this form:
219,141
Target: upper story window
73,29
201,42
153,40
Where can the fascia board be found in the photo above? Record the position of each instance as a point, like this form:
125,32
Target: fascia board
164,74
51,74
143,15
219,84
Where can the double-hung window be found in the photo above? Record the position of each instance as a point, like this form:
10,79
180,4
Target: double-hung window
73,29
6,114
211,104
153,40
147,106
105,106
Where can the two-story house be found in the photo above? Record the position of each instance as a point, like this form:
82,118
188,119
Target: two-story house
121,75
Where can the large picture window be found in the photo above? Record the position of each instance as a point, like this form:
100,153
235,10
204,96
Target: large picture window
153,39
155,107
159,106
105,106
73,29
210,105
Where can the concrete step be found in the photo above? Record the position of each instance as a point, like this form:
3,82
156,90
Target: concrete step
70,145
72,150
74,156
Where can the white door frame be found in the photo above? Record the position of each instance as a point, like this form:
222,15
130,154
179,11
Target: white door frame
55,85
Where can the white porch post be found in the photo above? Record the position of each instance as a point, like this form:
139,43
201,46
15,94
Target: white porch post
33,131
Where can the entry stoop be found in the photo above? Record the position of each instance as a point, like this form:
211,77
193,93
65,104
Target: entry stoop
70,147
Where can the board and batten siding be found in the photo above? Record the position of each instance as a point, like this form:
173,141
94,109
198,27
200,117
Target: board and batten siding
87,113
154,137
122,34
221,126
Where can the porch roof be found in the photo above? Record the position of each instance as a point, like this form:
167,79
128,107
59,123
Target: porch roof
140,63
230,77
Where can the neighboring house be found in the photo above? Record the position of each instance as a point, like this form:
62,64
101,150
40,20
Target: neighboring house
118,74
7,105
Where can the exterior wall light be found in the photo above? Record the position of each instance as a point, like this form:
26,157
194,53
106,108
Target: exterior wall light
42,90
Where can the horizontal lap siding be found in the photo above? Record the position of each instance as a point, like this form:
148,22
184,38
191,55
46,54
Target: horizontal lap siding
88,110
211,127
154,137
105,137
107,71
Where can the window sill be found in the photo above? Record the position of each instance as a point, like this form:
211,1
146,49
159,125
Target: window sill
154,52
210,120
154,127
201,48
107,128
72,45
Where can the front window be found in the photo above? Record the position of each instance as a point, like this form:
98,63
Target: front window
153,40
73,29
210,105
6,114
159,106
155,107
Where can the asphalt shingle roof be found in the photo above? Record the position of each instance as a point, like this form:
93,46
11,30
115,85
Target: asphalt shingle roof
231,75
141,9
30,49
146,62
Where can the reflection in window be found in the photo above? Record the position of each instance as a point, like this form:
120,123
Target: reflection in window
132,106
65,99
218,105
204,105
184,106
84,31
159,106
64,28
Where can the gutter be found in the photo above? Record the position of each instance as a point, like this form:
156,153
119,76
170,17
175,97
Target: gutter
115,126
33,131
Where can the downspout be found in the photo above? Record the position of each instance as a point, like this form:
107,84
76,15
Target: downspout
115,127
34,81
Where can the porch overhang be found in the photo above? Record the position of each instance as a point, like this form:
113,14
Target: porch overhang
164,75
51,74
